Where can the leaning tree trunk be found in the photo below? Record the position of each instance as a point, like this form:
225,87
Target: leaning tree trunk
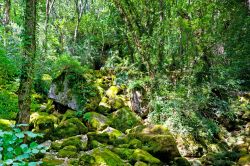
27,72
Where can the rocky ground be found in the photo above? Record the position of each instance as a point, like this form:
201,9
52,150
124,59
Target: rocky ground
107,132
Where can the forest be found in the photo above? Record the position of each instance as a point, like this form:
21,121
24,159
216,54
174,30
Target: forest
125,82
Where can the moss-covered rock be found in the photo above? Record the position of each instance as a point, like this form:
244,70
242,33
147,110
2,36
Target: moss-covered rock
6,124
95,144
80,141
181,161
135,143
244,160
189,147
109,135
43,122
141,155
104,107
69,114
96,121
68,151
70,127
116,102
56,145
140,163
101,156
124,153
51,160
157,140
112,91
124,119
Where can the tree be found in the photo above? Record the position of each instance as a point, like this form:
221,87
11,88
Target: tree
27,72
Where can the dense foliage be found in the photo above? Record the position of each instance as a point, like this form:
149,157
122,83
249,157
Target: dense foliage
189,61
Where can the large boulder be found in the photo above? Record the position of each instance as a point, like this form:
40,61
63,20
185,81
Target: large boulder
43,123
109,135
96,121
79,141
75,90
70,127
124,119
157,140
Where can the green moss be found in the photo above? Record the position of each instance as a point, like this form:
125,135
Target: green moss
116,102
78,141
50,160
86,159
95,144
69,114
135,143
56,145
124,153
109,135
70,127
140,163
104,107
96,121
100,156
157,140
68,151
141,155
124,119
44,123
6,124
181,161
244,160
104,156
112,91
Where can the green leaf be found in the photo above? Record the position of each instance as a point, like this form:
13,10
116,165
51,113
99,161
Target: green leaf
9,161
35,151
19,135
33,145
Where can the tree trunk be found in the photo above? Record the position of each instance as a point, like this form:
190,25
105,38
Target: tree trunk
27,72
49,6
6,18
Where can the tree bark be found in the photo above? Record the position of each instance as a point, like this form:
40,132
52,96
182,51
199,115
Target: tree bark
6,18
27,72
49,6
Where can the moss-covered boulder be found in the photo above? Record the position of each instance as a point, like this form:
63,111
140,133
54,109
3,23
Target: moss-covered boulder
75,89
51,160
95,144
189,147
141,155
181,161
140,163
70,127
244,160
157,140
116,102
112,91
124,119
104,107
6,124
43,122
96,121
109,135
124,153
101,156
68,151
80,141
69,114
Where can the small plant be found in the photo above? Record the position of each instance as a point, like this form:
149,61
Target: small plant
13,150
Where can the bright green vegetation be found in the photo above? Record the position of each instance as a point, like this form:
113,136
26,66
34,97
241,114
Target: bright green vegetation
125,82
